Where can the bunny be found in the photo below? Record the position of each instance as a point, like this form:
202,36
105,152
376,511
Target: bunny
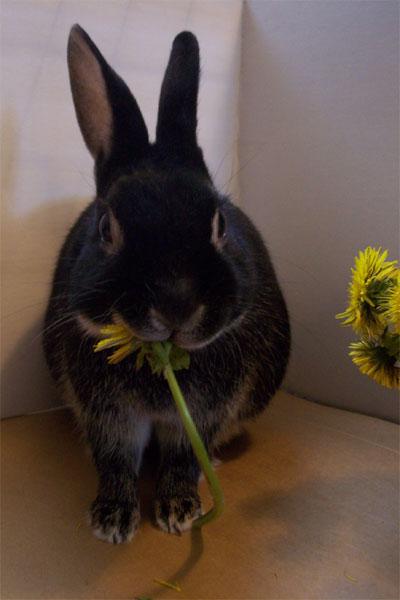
162,251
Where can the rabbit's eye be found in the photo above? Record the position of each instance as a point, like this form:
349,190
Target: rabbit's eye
218,230
110,233
105,229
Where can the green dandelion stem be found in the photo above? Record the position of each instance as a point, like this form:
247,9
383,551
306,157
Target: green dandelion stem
165,358
195,440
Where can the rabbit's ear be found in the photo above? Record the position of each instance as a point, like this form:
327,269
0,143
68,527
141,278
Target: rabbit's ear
109,117
177,111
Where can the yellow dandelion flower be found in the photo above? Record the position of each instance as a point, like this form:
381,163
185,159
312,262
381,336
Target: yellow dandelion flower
391,303
114,336
121,353
371,274
115,330
376,362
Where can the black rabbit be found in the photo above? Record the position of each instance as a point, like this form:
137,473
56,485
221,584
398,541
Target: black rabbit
161,250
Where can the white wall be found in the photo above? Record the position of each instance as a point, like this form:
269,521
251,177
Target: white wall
319,169
46,170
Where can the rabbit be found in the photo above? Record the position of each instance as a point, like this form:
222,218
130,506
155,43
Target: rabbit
162,251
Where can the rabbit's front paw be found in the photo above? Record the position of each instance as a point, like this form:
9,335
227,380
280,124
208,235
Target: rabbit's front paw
176,514
114,521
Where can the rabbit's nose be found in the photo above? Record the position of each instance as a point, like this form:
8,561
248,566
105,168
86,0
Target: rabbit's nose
183,320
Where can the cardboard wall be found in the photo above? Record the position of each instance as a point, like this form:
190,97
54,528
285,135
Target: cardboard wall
319,157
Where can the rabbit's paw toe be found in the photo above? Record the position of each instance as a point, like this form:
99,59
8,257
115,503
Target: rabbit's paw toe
114,521
176,514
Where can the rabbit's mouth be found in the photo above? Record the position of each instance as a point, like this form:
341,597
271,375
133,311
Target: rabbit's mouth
143,333
189,343
184,338
187,340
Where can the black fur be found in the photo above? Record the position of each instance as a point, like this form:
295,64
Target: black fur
162,199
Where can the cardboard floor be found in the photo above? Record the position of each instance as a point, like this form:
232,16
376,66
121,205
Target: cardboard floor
312,500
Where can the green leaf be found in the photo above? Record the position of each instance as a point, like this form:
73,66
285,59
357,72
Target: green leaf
179,358
156,365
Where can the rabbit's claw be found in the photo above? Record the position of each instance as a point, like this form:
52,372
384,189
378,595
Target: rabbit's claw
113,521
176,514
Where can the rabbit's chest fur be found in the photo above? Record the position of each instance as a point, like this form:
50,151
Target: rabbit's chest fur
211,381
227,381
96,392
